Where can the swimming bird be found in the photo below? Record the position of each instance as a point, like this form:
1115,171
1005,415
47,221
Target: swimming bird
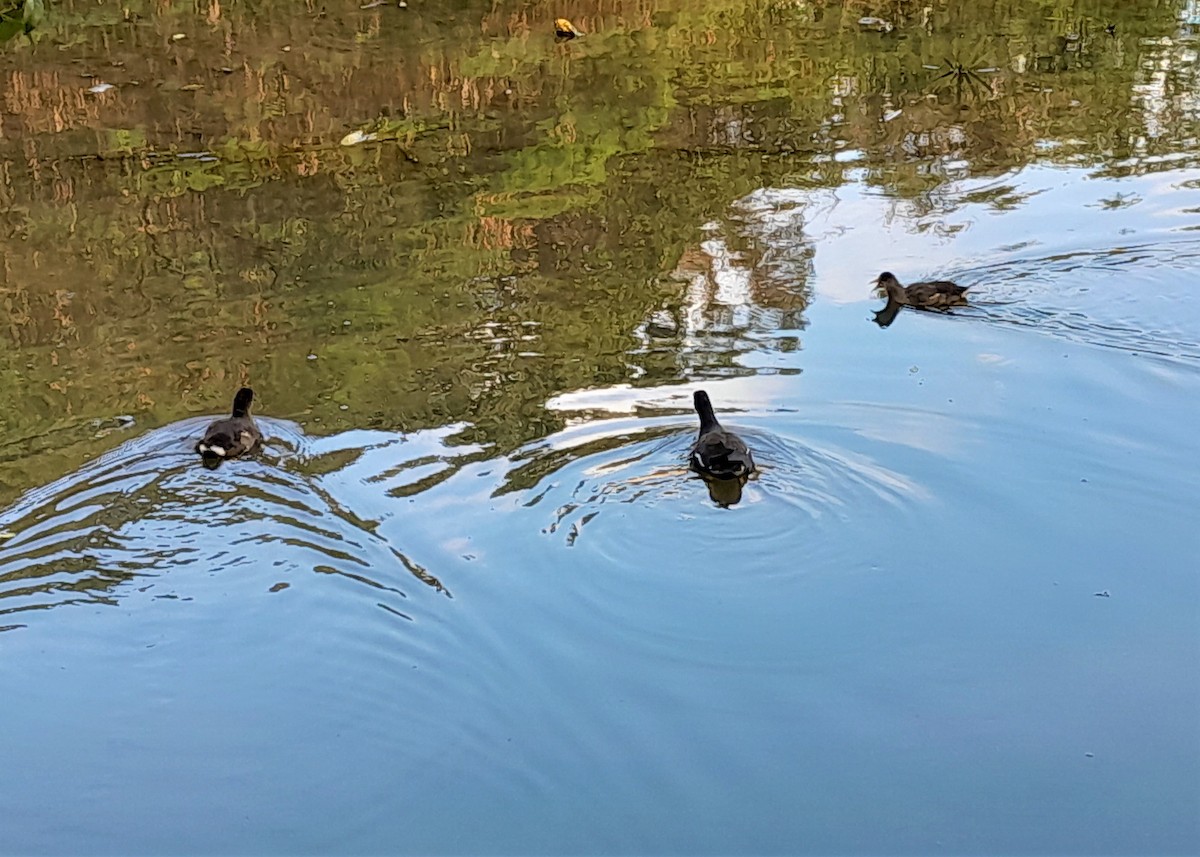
231,436
932,294
718,452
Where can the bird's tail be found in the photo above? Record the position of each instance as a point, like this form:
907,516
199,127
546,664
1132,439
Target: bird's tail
708,419
241,402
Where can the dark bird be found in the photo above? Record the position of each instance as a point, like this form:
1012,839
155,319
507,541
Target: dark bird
718,452
933,294
231,436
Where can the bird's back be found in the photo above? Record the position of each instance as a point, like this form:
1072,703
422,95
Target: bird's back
230,437
936,293
722,453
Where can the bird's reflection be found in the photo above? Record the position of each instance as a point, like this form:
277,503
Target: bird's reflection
725,492
888,314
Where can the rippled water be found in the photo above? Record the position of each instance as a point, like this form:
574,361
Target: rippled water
893,642
468,598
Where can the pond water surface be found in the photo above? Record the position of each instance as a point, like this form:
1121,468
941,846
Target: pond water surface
468,599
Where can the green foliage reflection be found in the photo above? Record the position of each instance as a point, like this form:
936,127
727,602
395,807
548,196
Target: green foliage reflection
522,207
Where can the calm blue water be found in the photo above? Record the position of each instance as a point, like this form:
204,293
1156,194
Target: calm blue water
893,644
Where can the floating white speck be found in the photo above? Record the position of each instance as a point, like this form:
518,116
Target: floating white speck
891,114
877,25
100,87
356,137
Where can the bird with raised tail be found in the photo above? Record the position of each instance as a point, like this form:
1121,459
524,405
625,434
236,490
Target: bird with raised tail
718,452
928,294
232,436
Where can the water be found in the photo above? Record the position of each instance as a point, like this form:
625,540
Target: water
468,599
